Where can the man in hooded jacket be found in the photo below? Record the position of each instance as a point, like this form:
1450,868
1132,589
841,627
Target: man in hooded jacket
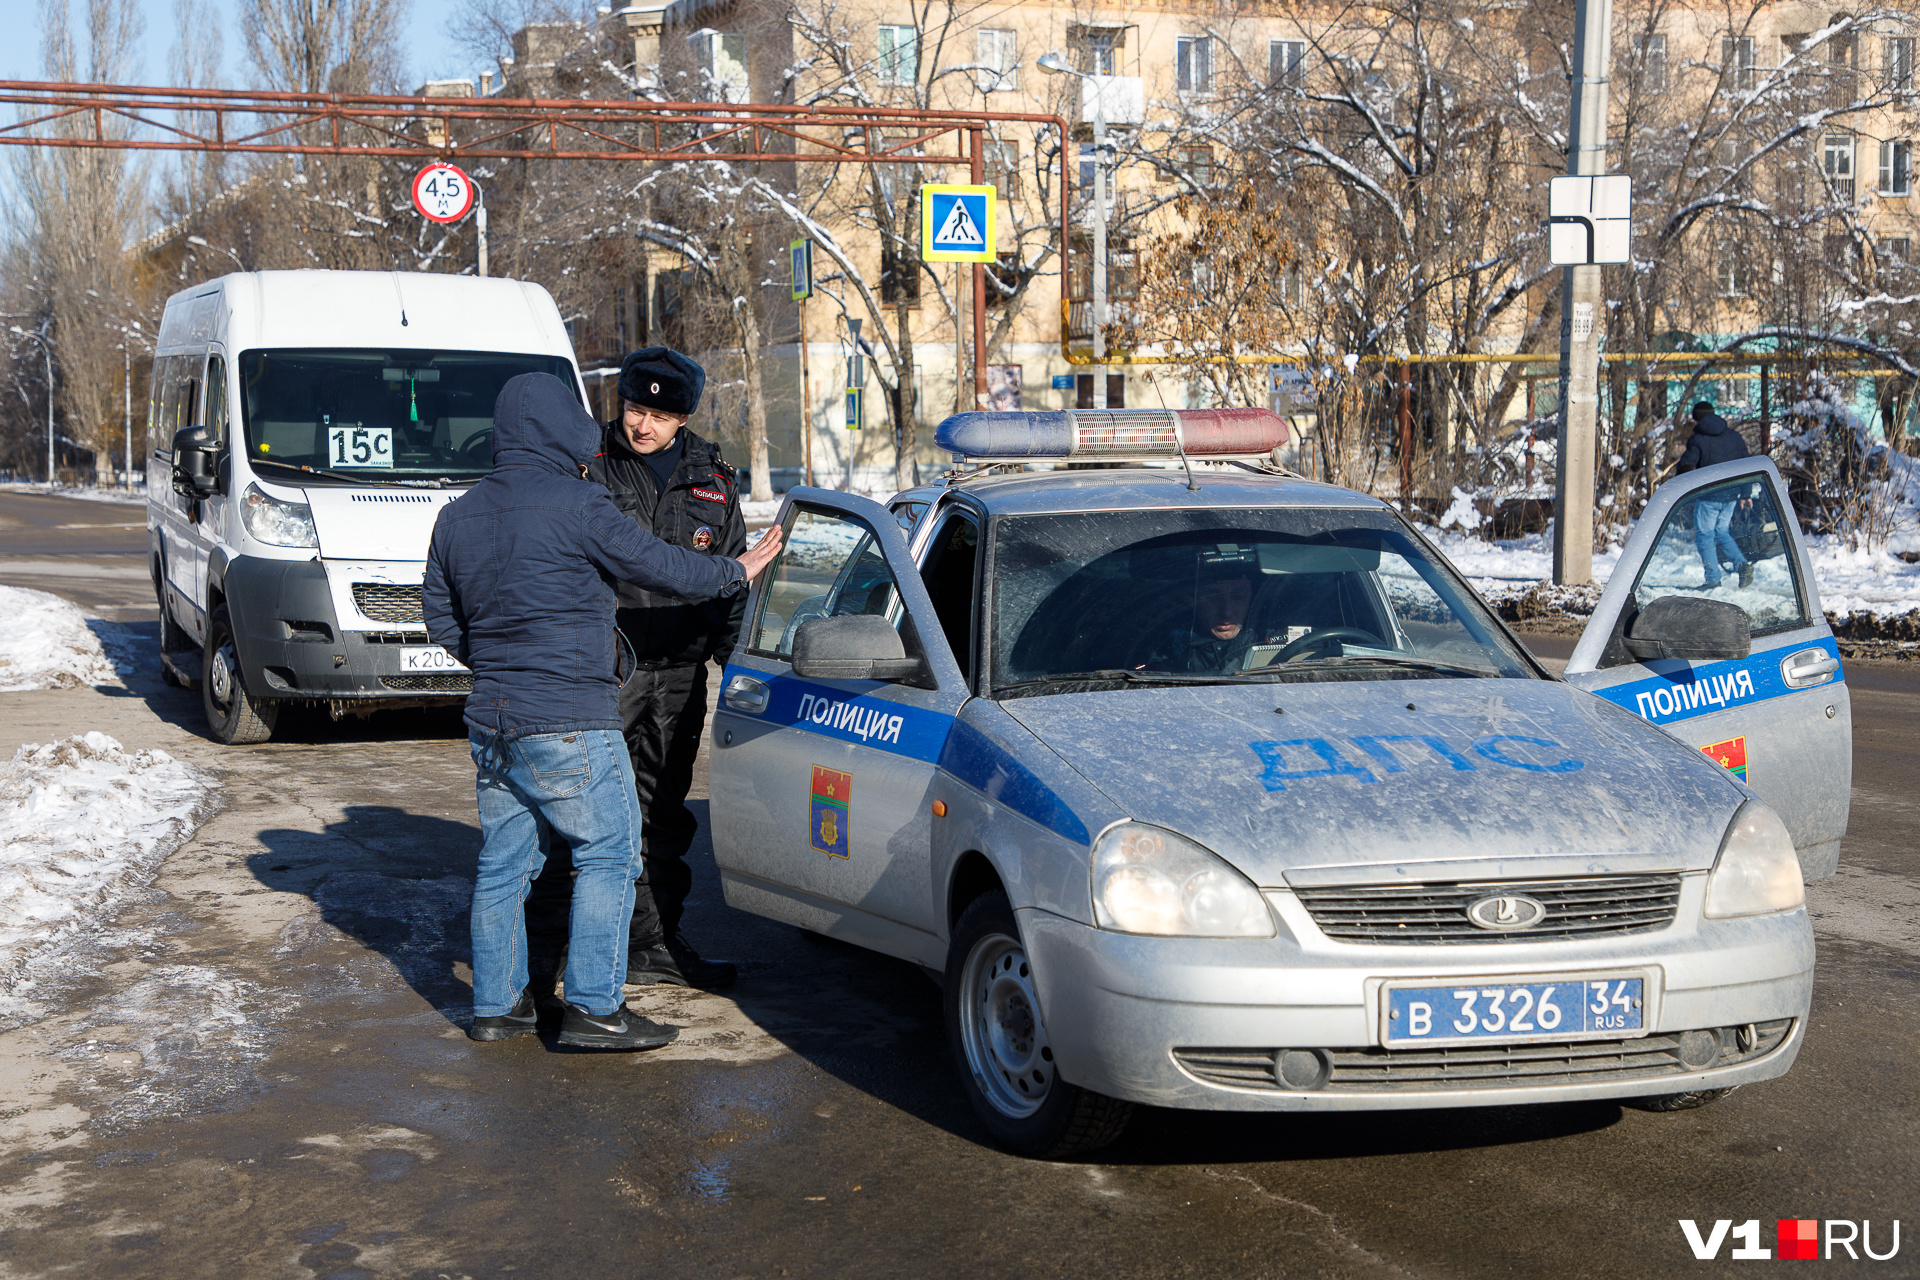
1714,442
520,587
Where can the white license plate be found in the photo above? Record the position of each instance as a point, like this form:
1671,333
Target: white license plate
1504,1010
428,658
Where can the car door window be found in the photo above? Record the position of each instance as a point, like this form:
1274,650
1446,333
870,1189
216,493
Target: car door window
907,514
831,565
1728,543
948,573
216,399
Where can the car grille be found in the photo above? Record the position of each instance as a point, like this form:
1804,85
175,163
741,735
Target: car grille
429,684
388,602
1516,1066
1405,915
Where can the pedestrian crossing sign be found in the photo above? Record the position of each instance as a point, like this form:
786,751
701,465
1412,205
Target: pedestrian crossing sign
956,223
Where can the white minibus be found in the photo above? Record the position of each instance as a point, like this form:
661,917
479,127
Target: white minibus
305,428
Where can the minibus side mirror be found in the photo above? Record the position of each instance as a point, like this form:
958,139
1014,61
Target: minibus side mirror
195,463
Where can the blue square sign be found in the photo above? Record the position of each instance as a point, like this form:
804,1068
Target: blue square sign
956,223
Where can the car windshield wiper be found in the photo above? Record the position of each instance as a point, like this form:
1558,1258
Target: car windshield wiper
300,469
1350,662
352,477
1105,676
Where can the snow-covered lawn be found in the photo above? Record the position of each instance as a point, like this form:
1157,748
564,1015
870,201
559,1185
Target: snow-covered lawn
82,823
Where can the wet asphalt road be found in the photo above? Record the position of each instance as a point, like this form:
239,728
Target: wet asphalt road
260,1070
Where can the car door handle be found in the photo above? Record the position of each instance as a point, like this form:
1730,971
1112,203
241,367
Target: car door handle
1808,668
744,693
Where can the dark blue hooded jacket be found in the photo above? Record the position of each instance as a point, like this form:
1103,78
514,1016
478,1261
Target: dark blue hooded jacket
521,571
1713,441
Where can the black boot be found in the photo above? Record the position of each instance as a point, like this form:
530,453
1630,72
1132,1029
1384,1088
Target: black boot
521,1020
677,964
621,1029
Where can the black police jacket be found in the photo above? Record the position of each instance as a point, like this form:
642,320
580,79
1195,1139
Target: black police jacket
699,510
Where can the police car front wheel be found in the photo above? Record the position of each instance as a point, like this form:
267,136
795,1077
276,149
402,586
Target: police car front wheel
1000,1043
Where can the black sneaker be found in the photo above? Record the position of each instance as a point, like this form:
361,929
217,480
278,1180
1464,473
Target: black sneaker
1746,574
521,1020
621,1029
677,964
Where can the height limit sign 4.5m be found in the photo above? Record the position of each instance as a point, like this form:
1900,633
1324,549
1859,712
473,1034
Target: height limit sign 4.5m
956,223
442,193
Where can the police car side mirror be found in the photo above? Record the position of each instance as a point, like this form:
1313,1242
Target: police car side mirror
855,646
194,463
1690,628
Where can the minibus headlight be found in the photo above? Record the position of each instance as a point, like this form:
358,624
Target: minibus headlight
275,522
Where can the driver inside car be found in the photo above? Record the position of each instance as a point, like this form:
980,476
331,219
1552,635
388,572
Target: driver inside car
1218,638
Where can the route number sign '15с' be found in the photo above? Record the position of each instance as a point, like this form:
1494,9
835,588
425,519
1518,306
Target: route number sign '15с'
442,193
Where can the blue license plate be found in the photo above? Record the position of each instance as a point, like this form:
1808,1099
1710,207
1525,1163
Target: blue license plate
1495,1010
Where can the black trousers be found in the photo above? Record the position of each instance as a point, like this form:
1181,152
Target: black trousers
663,710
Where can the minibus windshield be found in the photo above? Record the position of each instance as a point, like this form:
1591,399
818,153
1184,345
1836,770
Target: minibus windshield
378,415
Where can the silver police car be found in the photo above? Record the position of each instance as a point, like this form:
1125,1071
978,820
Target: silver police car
1204,785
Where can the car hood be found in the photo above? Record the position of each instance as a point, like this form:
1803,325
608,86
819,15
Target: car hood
1355,782
367,523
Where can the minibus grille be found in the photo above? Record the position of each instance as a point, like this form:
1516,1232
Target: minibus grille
389,602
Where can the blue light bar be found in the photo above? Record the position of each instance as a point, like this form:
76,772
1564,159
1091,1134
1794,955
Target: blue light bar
1114,434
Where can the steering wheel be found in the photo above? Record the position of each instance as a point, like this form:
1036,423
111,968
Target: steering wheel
478,449
1321,639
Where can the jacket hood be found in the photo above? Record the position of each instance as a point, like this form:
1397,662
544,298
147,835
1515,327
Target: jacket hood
1711,425
538,422
1349,783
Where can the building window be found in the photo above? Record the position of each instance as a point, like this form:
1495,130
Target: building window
1193,64
723,56
1899,249
1899,63
1292,287
1730,272
1733,154
899,278
899,55
1736,62
1651,50
1196,163
1286,62
1836,161
1096,50
996,53
1116,391
1001,161
1896,167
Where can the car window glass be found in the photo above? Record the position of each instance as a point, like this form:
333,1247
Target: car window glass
908,514
948,574
831,565
216,397
1728,543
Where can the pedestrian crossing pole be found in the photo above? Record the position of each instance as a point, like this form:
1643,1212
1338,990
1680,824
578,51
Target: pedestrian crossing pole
1583,309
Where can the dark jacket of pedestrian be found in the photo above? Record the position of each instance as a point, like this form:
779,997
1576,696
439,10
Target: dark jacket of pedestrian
521,571
698,509
1713,441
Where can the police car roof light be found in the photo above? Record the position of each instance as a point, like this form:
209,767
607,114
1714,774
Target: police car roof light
1115,435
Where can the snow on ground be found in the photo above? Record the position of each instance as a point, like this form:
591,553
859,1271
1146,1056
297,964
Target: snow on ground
136,496
46,643
1863,581
82,823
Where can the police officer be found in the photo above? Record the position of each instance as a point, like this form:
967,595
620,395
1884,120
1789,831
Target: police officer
675,485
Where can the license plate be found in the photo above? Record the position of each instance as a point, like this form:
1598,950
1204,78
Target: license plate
428,658
1495,1009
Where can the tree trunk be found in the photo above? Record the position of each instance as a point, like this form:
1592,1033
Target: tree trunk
906,472
762,490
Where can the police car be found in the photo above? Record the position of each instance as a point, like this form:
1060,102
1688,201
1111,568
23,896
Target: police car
1208,786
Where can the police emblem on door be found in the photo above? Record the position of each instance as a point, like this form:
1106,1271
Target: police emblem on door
831,792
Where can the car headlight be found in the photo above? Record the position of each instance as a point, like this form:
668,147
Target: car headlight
1146,880
276,522
1757,871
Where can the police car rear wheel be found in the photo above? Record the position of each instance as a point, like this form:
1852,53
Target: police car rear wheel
1000,1044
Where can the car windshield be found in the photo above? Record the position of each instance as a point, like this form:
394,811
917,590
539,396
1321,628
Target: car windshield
1123,598
420,416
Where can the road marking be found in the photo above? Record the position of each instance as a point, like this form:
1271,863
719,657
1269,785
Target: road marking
73,568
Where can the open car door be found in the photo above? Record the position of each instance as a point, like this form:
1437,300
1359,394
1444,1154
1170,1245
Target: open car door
832,716
1711,628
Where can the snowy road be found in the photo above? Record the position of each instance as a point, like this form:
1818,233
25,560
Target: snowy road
255,1068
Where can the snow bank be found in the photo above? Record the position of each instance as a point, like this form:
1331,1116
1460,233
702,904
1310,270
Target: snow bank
81,823
86,493
45,643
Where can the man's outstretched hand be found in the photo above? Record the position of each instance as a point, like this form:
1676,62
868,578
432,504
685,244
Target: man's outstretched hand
761,554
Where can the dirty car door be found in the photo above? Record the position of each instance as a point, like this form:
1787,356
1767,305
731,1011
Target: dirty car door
821,787
1778,717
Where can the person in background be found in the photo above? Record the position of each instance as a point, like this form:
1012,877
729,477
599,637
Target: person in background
519,586
1713,442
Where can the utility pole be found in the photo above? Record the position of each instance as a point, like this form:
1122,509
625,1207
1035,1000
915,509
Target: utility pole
1099,247
1583,308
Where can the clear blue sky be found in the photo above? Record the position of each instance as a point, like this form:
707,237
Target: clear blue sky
430,54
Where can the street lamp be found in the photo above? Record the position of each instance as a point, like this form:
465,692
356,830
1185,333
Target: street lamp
1057,65
46,349
217,249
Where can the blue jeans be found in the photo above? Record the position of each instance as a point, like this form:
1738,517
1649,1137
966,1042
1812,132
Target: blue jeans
1713,534
578,784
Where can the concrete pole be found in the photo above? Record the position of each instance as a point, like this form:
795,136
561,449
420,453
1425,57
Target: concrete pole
1099,245
480,226
1583,309
47,351
126,407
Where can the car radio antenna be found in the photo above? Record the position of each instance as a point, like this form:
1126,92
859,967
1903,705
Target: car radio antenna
1193,486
